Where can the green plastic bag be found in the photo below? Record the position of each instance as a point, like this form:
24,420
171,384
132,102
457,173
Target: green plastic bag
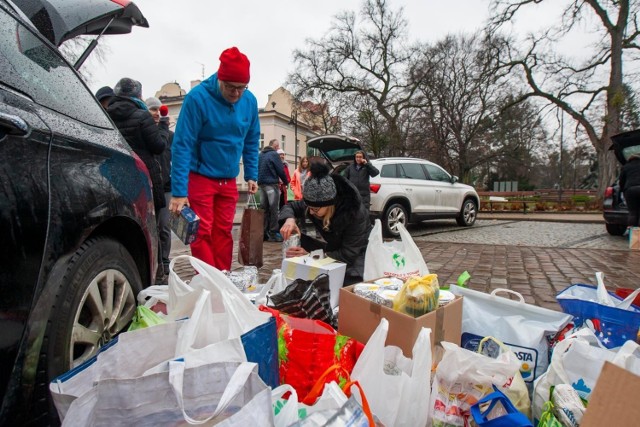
547,419
144,318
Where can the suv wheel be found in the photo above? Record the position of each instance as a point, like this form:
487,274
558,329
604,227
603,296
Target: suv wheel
95,302
615,229
394,215
468,213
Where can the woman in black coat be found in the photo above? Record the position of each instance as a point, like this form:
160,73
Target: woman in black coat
630,185
335,209
358,173
137,126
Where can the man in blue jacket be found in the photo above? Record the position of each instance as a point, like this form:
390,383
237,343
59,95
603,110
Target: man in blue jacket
218,125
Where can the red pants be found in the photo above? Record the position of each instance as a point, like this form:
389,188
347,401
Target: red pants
214,201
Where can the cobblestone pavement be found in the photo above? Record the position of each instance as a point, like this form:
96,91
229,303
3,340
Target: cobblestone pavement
537,259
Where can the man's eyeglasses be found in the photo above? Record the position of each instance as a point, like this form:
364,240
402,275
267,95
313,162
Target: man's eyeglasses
234,88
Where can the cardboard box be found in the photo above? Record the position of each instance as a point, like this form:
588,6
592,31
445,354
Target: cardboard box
308,268
614,399
185,225
358,318
634,238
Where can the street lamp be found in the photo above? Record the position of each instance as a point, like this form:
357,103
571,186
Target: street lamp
294,122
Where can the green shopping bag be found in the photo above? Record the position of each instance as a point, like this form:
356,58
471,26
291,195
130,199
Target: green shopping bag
145,317
548,419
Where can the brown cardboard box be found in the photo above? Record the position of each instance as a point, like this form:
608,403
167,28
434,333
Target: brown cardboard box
358,318
614,401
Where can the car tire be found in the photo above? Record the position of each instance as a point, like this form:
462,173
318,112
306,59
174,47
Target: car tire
394,214
616,229
468,213
96,300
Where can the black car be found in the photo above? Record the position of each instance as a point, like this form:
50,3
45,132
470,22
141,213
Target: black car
77,223
614,206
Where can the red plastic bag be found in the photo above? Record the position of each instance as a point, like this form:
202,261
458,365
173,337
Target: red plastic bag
307,348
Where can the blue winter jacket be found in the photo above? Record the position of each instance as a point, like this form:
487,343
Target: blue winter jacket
212,134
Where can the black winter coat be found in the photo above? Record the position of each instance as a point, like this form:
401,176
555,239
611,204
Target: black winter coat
630,175
167,135
141,132
348,235
360,178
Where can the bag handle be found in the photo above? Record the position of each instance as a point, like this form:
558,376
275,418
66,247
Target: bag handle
251,202
317,388
508,291
365,403
288,413
235,386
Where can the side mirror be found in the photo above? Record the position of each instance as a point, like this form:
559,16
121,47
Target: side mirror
454,179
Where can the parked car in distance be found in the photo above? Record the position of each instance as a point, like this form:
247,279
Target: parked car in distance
614,207
413,190
407,190
76,218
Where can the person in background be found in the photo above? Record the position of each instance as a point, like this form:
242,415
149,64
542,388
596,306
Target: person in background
299,177
333,206
104,95
358,173
160,116
270,174
284,185
218,125
136,124
630,185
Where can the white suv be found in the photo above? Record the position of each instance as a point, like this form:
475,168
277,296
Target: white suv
407,189
413,190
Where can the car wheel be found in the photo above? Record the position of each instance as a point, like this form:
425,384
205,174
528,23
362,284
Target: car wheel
615,229
468,213
394,215
95,302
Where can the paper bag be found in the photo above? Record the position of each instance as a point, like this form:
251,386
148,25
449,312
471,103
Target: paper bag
251,234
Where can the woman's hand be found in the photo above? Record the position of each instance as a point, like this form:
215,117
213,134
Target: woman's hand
295,251
288,228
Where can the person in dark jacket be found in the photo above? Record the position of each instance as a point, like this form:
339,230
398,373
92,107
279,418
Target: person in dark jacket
335,209
630,185
135,123
358,173
270,173
160,116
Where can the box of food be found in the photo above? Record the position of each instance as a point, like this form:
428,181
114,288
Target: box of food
359,318
185,225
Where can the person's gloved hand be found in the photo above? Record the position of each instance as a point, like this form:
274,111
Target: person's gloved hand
164,114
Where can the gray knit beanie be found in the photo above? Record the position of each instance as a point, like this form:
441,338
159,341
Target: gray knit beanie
319,189
153,102
128,87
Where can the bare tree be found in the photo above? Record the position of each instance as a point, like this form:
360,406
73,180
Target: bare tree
72,49
592,91
368,57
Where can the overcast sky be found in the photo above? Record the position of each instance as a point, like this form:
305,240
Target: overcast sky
185,36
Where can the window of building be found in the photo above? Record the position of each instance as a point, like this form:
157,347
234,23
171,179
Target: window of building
261,141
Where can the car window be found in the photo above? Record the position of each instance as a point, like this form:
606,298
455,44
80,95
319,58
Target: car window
30,66
437,174
388,171
412,171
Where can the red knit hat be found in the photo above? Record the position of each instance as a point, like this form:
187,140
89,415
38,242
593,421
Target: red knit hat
234,66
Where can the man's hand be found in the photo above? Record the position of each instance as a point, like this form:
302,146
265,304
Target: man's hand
295,251
177,203
253,186
288,228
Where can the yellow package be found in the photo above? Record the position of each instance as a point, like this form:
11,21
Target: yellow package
418,295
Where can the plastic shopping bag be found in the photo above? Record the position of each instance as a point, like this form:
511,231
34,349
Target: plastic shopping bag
400,259
524,328
396,387
224,394
145,317
251,234
496,410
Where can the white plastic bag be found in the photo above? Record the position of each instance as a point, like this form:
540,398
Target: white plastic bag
276,284
398,258
224,394
524,328
396,387
291,411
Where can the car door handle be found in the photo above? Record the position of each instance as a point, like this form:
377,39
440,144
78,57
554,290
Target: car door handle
14,125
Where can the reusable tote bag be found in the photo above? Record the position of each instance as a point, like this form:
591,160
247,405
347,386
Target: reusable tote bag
251,234
222,394
400,259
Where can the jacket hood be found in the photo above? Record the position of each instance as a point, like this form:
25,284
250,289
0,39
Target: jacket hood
267,149
121,107
348,200
211,85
